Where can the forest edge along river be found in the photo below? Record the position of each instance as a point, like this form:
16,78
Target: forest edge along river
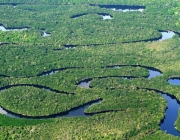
153,72
166,124
2,28
123,8
174,81
104,16
164,36
73,112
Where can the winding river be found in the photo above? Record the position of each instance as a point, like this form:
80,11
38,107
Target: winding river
36,86
153,72
2,28
122,8
70,46
74,112
164,36
85,83
105,16
167,124
171,115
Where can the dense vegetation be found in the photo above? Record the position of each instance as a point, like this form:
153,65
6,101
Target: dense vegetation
127,110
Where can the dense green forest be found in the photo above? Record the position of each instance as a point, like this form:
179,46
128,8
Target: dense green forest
40,75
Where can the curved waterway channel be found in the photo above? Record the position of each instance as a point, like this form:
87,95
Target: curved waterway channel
164,36
153,72
122,8
104,16
2,28
36,86
166,124
74,112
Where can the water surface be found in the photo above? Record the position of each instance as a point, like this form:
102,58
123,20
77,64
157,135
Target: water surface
123,8
168,124
44,34
85,83
80,111
2,28
174,81
153,73
49,73
166,35
74,112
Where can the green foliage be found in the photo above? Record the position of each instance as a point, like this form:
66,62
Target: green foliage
130,113
89,29
31,101
7,121
177,123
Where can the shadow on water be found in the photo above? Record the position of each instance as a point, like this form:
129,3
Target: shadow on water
74,112
2,28
168,123
105,16
85,83
36,86
153,72
70,46
174,81
164,36
170,117
123,8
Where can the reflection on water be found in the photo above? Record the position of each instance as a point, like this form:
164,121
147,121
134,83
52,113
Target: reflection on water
74,112
123,8
85,83
116,67
174,81
49,73
127,10
2,28
171,115
153,73
2,111
167,35
80,110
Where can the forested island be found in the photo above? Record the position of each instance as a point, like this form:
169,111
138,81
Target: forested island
89,69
